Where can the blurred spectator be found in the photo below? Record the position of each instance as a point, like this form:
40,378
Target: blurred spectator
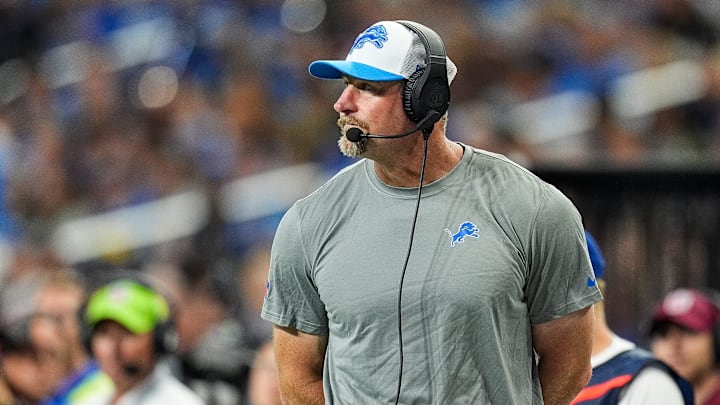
218,322
684,18
6,395
44,360
32,373
622,372
213,352
263,387
684,333
58,307
129,330
252,280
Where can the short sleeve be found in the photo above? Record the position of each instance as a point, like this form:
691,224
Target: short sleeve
291,297
560,277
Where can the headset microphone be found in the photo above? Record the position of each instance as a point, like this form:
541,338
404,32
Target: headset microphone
355,134
132,369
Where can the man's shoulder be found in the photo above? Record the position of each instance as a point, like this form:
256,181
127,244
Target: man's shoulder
653,385
181,394
651,373
493,158
520,187
173,391
635,376
491,162
336,187
627,362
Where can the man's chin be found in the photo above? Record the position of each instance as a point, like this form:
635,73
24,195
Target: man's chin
351,149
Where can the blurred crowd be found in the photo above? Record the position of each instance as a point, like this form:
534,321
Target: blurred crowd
106,105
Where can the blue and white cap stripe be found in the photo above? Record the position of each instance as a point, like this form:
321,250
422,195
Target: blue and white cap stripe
377,55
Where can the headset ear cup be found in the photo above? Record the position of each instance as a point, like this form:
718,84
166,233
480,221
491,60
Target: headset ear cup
412,93
87,342
165,337
85,330
16,334
426,95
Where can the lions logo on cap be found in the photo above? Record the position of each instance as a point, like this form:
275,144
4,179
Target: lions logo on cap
376,35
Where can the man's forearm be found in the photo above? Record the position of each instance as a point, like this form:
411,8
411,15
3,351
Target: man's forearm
561,383
306,393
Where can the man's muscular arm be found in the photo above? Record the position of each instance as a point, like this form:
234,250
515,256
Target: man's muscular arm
564,346
300,358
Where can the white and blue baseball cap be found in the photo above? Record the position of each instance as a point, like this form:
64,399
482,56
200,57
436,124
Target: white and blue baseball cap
385,51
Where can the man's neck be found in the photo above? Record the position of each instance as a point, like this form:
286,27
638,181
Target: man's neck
601,339
443,156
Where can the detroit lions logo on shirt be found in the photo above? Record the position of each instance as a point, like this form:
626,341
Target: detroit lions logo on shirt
375,35
467,228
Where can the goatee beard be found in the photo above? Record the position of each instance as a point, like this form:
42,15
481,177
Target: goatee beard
347,147
351,149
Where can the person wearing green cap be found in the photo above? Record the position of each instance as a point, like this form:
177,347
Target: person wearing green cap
44,361
128,332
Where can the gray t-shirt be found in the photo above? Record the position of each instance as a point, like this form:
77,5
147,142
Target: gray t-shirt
495,250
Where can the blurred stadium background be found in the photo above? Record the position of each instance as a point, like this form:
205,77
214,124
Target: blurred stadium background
137,131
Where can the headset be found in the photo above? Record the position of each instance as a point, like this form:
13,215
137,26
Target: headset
16,297
427,90
15,335
165,339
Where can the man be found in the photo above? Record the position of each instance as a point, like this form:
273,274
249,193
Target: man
30,373
375,302
46,362
624,374
129,329
58,304
684,334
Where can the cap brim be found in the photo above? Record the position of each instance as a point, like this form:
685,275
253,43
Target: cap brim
135,324
688,323
109,311
335,69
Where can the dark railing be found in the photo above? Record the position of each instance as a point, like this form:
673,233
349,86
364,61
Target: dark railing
659,229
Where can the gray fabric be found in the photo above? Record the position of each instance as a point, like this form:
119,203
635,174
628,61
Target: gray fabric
467,308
